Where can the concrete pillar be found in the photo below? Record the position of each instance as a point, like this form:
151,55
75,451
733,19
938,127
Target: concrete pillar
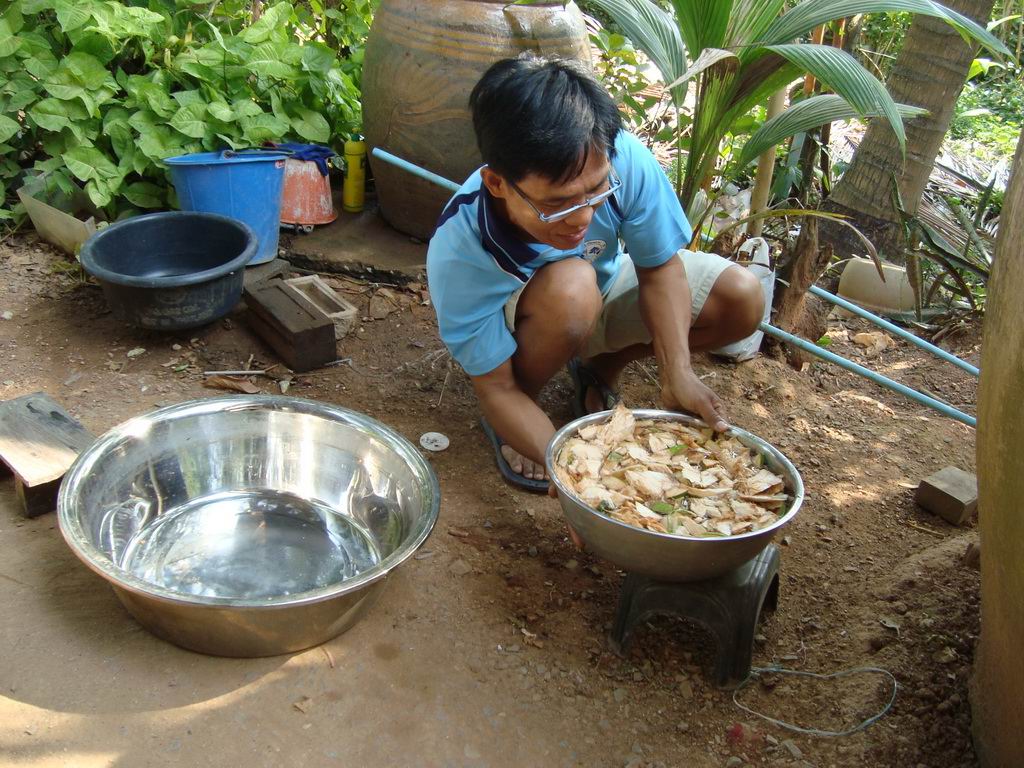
998,690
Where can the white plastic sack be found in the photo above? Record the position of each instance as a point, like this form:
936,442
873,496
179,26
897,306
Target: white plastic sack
756,251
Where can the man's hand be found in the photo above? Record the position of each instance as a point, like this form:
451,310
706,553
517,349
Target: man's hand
681,389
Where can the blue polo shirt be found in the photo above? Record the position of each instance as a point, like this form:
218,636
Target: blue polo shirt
475,261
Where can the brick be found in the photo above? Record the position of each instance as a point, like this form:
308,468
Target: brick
950,493
303,338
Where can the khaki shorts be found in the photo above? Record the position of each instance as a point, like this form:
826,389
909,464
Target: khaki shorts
620,324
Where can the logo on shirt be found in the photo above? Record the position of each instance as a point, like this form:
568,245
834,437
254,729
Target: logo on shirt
592,249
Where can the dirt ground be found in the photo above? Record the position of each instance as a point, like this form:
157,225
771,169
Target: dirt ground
490,648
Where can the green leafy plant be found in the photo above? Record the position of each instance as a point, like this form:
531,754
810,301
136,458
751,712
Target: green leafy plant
738,52
100,92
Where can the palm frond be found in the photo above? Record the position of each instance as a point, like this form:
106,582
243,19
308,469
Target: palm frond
703,22
804,115
809,14
844,74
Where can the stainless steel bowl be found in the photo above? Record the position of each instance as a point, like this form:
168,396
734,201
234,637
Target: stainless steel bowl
661,555
248,525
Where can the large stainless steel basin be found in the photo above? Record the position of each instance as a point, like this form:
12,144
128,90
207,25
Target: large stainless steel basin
248,525
661,555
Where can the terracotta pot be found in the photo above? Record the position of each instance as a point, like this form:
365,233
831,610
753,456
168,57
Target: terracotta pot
306,196
422,60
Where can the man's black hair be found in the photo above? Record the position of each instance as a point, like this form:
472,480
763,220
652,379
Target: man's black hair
542,116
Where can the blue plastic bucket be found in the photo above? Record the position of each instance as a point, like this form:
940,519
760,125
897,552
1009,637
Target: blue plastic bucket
244,185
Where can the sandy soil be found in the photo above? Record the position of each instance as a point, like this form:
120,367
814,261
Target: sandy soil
490,648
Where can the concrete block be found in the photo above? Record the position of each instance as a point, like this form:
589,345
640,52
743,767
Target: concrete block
950,493
319,297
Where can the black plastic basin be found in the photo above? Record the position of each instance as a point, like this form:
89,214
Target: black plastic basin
173,270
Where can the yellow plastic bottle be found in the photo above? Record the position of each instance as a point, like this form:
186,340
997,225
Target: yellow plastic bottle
353,191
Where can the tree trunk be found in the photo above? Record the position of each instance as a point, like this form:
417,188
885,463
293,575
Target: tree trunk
999,670
929,72
796,311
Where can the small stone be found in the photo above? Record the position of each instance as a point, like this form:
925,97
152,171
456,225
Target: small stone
787,540
133,353
682,726
944,656
686,689
619,694
8,315
471,752
176,347
532,551
900,608
790,746
604,724
638,677
972,555
488,524
734,762
571,565
460,567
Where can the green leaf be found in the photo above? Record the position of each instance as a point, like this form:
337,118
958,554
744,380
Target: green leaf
184,98
51,114
263,127
245,108
97,46
662,508
144,194
159,142
8,128
272,20
267,60
802,116
8,42
221,111
809,14
72,15
87,70
40,68
15,21
99,192
190,120
21,99
843,73
87,163
317,57
311,125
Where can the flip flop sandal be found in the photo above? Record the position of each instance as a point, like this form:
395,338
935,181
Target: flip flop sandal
583,379
511,476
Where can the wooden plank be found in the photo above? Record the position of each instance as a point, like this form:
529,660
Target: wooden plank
38,443
38,439
303,338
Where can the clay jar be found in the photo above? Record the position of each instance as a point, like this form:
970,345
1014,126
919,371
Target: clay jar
422,60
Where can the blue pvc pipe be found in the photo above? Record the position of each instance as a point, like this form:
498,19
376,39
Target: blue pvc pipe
796,341
893,328
895,386
415,170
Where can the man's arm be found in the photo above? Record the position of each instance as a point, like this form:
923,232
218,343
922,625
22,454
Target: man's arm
665,308
513,415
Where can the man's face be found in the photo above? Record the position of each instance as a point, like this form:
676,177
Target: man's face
520,203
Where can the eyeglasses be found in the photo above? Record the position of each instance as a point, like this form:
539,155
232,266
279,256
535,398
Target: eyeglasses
591,202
